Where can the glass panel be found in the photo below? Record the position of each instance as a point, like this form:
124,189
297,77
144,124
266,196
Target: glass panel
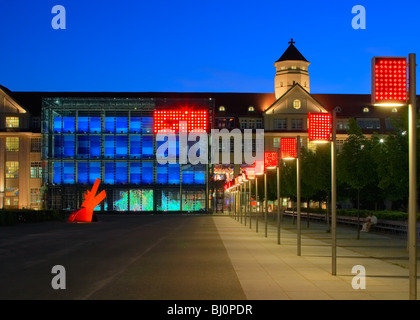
122,148
68,146
68,173
95,146
57,173
121,173
94,171
82,147
122,124
174,173
170,201
135,124
120,200
110,124
147,125
147,146
57,124
141,200
109,172
82,172
193,201
109,152
135,173
82,124
135,146
69,125
162,173
58,146
187,174
147,172
95,125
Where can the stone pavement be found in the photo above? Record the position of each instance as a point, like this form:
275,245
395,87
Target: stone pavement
269,271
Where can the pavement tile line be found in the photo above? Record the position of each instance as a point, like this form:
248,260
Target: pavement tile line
268,271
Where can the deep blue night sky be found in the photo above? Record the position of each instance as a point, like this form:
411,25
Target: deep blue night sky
197,46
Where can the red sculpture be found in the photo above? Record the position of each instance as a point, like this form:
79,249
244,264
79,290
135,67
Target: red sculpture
91,201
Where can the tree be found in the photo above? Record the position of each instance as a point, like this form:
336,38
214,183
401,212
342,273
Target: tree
355,163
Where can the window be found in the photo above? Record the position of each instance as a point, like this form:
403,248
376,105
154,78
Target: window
36,170
35,197
394,110
36,122
222,108
365,109
296,123
280,124
12,169
293,67
276,142
36,145
12,122
251,108
368,123
281,84
338,109
296,104
12,144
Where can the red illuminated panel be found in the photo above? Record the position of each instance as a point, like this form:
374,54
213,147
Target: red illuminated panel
180,120
259,167
389,80
319,127
270,159
288,148
250,172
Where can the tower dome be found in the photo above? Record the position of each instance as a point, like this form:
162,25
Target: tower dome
291,68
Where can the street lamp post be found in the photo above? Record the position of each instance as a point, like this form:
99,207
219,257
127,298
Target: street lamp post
278,201
298,205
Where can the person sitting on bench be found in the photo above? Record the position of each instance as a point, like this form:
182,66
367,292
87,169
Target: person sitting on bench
371,220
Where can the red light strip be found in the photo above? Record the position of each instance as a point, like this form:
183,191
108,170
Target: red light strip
169,120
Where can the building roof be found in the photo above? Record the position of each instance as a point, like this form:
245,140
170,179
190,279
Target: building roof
292,53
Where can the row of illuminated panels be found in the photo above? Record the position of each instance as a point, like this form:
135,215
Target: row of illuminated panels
82,172
143,200
94,146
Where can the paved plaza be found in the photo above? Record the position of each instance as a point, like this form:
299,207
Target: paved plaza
196,257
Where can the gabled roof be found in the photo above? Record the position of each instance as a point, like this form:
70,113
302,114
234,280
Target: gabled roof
292,53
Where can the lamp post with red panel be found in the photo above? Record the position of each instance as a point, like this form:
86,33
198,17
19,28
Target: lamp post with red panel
270,162
319,131
290,150
389,89
259,170
250,173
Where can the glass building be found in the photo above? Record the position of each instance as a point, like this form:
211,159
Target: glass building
112,139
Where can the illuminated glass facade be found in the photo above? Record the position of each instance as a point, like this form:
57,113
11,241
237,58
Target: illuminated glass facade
113,140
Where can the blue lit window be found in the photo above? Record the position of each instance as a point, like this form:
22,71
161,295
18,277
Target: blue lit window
82,172
109,150
122,147
135,125
69,125
147,125
147,146
174,173
122,124
68,146
109,172
95,125
135,172
199,175
82,147
58,146
147,172
94,171
57,124
57,173
82,124
68,173
135,146
121,173
95,146
110,124
162,173
188,174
